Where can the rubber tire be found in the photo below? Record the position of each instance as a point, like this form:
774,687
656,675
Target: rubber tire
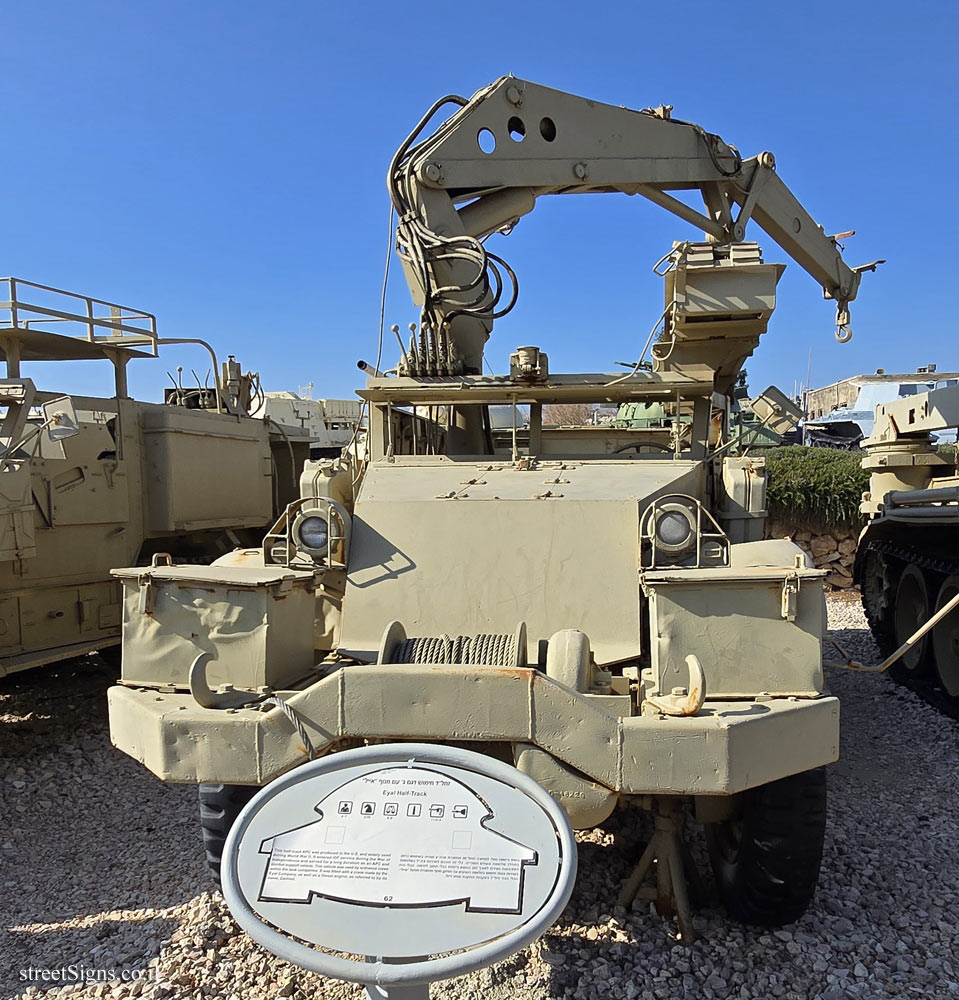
219,807
771,878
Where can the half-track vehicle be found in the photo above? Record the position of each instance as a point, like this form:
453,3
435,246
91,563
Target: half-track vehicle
597,604
89,483
907,560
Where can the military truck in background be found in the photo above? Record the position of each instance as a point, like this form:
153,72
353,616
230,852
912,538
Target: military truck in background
89,483
594,603
907,561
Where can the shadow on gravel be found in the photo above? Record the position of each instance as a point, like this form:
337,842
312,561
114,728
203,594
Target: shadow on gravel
926,685
84,830
80,952
855,641
46,706
858,643
581,949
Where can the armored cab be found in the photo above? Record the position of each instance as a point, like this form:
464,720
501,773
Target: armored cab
89,483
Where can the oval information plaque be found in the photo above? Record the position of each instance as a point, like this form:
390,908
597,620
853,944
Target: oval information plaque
399,852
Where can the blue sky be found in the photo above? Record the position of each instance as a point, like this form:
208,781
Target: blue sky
222,165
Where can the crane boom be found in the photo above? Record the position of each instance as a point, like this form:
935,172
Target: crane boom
515,141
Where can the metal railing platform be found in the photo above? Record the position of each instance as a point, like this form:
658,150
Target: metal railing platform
42,323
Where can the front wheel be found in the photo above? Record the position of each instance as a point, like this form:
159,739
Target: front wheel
766,860
219,807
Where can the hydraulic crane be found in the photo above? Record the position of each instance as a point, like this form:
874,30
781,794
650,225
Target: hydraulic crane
514,142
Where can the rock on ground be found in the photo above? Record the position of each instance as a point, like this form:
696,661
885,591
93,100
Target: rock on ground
101,869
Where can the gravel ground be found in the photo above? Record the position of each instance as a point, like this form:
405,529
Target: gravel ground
101,869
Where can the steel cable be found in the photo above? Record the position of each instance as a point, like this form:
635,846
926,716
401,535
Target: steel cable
485,649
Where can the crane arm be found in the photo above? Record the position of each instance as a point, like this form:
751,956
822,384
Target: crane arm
515,141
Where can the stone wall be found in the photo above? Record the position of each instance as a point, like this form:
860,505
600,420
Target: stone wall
834,551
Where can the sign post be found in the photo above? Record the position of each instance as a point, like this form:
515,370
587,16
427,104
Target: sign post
424,861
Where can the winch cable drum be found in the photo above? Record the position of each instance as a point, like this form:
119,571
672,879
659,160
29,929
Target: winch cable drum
484,649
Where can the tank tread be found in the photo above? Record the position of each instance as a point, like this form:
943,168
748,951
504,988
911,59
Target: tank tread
876,586
910,554
929,563
878,597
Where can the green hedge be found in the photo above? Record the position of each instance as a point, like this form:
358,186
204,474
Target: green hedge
815,488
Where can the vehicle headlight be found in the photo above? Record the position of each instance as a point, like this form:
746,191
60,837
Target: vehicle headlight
313,532
675,528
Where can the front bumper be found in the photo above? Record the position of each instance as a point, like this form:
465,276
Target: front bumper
728,747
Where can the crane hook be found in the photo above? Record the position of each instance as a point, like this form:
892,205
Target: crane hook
843,329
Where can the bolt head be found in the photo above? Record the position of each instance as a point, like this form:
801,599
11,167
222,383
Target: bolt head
433,172
513,94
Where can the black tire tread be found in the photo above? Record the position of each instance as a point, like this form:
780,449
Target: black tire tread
219,807
773,879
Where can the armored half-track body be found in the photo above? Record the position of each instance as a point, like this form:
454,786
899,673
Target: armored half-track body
89,483
597,604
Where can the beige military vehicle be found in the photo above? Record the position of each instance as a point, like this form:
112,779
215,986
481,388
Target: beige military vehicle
594,603
332,424
88,483
907,561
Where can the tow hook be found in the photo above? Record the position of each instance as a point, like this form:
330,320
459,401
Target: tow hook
225,697
682,701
